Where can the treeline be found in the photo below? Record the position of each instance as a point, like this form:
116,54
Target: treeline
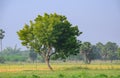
88,52
99,51
16,55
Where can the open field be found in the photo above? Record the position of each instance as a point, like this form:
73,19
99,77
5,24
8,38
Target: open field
61,70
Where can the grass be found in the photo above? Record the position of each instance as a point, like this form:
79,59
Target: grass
61,70
63,74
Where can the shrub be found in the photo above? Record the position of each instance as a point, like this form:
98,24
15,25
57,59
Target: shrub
101,76
35,76
60,76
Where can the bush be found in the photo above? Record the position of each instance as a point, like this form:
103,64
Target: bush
60,76
35,76
101,76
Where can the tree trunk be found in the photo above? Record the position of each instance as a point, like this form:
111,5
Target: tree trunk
111,60
89,60
86,59
47,59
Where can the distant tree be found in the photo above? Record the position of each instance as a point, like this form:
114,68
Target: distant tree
14,54
96,52
2,59
111,50
1,37
12,50
101,48
32,55
51,34
86,50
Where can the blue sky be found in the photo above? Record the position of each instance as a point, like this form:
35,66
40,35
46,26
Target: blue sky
99,20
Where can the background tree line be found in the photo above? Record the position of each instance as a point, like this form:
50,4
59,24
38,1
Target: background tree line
88,52
108,51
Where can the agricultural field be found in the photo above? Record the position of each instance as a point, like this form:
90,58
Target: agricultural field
61,70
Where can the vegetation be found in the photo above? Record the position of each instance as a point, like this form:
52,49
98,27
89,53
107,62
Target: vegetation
2,59
86,50
53,37
108,51
49,35
33,55
15,54
62,70
1,37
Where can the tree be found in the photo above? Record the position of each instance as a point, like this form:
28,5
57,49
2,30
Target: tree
101,48
111,49
2,59
32,55
10,50
14,54
1,37
96,52
86,50
51,34
107,51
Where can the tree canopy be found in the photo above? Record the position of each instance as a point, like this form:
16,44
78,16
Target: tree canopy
86,50
51,34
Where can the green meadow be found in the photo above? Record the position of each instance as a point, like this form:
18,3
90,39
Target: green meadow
61,70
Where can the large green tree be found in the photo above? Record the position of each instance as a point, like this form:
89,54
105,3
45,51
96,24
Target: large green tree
51,34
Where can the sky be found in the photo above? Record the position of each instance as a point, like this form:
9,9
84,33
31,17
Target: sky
99,20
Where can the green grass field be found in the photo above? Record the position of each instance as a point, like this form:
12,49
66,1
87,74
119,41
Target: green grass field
61,70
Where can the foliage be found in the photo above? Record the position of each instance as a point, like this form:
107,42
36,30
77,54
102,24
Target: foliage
111,49
96,53
35,76
14,54
86,50
10,54
2,34
51,34
33,55
2,59
101,49
10,50
108,51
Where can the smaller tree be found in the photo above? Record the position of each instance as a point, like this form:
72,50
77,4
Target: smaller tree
101,48
2,59
111,49
32,55
1,37
86,50
14,54
96,52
